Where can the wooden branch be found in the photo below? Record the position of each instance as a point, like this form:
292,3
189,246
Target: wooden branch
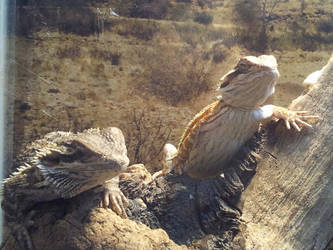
288,204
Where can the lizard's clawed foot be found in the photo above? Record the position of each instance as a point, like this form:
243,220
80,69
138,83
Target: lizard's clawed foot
295,119
136,172
112,197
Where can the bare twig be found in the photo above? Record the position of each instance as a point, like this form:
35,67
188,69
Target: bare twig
147,137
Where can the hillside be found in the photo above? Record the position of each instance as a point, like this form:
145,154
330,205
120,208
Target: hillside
78,66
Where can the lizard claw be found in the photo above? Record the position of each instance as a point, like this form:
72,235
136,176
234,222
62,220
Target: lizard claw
119,203
295,119
113,198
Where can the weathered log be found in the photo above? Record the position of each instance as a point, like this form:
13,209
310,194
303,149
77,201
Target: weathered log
78,223
289,203
201,213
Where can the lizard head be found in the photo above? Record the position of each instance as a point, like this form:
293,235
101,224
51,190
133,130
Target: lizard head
251,81
85,159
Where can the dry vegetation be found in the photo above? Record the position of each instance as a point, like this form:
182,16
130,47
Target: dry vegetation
146,138
266,25
175,75
106,56
94,70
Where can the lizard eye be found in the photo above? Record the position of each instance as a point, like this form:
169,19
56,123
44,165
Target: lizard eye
243,67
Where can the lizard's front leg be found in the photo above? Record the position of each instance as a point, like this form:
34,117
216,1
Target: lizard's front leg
114,198
296,119
169,152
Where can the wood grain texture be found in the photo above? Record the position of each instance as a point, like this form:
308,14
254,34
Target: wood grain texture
288,204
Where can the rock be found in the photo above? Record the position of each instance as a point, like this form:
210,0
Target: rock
79,224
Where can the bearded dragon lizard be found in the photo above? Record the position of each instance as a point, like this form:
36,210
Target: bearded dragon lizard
219,130
63,165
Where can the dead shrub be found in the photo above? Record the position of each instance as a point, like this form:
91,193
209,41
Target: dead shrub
145,138
177,75
191,33
107,56
251,25
156,9
141,29
180,12
80,21
325,25
69,52
203,18
219,52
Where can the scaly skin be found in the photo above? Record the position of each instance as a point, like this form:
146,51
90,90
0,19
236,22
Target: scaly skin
63,165
218,132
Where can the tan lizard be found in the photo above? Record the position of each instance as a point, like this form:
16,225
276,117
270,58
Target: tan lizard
63,165
219,130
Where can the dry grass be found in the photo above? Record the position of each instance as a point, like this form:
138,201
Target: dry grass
106,56
219,52
176,74
160,60
69,52
138,28
197,34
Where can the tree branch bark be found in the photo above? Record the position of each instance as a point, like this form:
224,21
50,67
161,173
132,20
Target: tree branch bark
288,204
